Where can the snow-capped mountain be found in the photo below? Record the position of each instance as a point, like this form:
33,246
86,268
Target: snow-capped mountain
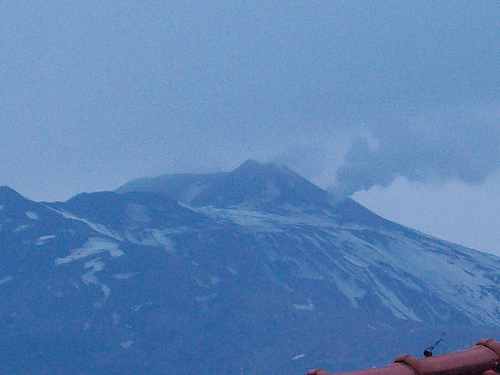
245,272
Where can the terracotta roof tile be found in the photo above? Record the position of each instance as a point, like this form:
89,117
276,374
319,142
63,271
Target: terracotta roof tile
483,358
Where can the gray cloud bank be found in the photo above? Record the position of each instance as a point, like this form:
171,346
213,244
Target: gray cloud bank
461,145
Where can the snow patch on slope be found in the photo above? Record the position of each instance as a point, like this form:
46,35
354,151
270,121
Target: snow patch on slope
21,228
152,237
126,344
161,239
307,307
95,265
5,279
93,246
390,300
124,276
42,239
32,215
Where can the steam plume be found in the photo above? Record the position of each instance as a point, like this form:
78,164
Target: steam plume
461,146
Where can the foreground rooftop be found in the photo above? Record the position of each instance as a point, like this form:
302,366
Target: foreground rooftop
483,358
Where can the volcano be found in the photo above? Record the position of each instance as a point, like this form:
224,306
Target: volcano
244,272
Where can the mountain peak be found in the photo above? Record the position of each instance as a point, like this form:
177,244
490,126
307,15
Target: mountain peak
264,186
253,166
250,163
9,195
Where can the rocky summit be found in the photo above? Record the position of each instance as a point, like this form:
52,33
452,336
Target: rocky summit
245,272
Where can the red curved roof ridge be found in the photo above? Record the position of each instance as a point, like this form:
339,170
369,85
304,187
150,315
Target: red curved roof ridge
483,358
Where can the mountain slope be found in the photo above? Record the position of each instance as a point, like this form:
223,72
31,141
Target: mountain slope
249,271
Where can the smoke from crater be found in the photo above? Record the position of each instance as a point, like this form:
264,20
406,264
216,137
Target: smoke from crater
453,146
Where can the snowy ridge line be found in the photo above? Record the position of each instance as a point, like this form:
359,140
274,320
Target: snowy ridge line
256,219
154,237
99,228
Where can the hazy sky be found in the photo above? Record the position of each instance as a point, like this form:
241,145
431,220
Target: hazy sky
396,102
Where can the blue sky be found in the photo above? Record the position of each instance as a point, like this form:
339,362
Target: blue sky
395,103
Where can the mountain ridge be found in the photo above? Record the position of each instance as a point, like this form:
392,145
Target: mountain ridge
251,181
233,279
195,186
